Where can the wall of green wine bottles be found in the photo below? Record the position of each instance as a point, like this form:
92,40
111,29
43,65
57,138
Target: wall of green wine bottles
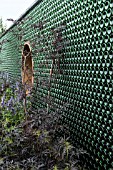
73,39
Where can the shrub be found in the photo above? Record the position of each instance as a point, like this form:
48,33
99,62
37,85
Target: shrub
32,141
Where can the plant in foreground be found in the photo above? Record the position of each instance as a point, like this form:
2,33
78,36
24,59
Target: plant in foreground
33,143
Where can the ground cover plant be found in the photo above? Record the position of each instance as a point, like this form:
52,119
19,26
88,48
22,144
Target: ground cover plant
30,139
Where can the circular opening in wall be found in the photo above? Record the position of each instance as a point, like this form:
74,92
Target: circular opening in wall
27,68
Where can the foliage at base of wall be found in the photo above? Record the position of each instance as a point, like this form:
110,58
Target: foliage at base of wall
33,141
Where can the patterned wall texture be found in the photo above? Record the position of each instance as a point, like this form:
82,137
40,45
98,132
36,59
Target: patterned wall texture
72,43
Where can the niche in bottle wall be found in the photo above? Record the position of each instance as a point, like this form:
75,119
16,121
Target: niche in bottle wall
27,68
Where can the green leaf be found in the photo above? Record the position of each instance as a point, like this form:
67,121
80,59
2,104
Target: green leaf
9,140
55,167
1,161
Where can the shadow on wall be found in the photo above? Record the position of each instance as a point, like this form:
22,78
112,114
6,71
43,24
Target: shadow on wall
27,68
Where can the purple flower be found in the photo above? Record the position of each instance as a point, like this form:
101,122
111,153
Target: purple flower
2,87
3,101
7,77
10,103
17,85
